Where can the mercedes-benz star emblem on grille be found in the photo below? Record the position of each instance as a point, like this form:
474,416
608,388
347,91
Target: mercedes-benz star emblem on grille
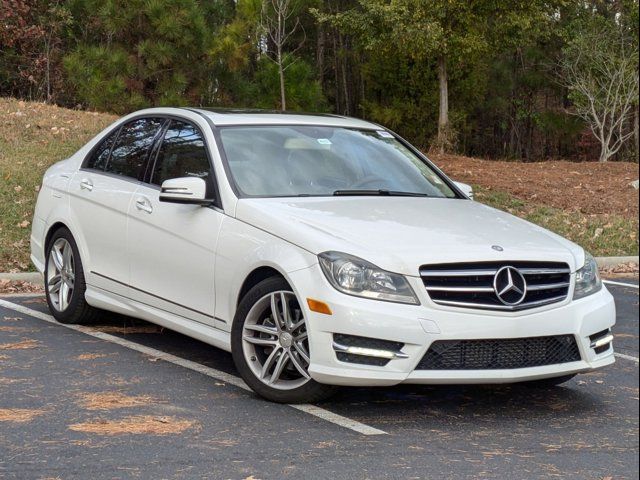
510,286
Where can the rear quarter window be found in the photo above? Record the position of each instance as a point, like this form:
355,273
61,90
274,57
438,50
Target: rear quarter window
131,149
100,155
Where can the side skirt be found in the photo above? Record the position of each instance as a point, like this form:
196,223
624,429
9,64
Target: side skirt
100,298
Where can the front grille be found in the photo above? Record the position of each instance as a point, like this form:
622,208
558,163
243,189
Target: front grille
471,285
500,354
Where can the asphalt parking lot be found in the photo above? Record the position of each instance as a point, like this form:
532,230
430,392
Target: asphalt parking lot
74,404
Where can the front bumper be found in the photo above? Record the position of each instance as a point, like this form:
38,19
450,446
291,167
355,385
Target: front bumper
417,326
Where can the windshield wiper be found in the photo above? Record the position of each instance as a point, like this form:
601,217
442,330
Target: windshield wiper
379,192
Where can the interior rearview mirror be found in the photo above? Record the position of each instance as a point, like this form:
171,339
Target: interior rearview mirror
465,188
191,190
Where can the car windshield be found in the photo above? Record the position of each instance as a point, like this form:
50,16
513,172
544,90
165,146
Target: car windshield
285,161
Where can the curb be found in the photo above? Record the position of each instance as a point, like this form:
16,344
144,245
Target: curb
608,262
31,277
35,277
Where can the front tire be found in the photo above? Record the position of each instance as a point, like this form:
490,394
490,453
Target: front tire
64,281
270,347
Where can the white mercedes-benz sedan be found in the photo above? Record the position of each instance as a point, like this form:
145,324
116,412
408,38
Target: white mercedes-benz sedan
318,250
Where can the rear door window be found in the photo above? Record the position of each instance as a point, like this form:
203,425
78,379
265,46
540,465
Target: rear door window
131,150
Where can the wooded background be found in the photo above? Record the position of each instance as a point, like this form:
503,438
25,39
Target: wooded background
521,79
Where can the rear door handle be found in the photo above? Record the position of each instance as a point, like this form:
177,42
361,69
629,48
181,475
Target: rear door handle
144,205
86,184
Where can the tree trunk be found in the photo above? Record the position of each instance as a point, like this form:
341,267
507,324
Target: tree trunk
635,133
443,114
283,99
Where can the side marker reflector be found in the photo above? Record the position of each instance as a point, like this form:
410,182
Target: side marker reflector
318,306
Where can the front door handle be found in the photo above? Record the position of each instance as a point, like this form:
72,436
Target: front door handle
144,205
86,184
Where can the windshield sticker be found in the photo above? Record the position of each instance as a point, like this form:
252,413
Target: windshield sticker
324,141
383,134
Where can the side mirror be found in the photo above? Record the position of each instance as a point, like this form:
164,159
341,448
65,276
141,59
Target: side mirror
192,190
466,189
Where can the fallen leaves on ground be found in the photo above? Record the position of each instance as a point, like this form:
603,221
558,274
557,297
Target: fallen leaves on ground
18,415
23,345
111,400
90,356
135,425
16,286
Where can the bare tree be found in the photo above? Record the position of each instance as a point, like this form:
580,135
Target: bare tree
600,69
279,24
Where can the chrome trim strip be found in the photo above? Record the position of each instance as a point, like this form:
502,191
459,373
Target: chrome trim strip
543,271
459,289
547,286
457,273
484,306
602,341
368,352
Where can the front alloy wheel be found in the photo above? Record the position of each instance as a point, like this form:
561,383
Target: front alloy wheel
270,345
274,341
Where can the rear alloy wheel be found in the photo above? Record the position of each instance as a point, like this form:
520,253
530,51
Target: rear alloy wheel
271,346
64,280
60,274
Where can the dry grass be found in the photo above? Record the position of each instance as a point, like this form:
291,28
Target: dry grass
135,425
23,345
33,136
112,400
18,415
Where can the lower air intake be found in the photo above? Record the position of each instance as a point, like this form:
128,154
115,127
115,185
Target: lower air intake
500,354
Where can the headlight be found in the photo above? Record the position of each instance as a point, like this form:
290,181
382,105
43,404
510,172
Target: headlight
354,276
587,278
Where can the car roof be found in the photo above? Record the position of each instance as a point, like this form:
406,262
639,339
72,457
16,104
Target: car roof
228,117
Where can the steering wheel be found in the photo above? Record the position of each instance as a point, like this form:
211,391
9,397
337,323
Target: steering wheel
372,181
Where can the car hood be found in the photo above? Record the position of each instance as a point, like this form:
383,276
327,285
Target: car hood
400,234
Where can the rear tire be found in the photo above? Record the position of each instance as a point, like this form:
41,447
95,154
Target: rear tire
270,350
64,280
546,383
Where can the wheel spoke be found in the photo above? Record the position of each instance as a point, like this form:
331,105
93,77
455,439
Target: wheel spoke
57,257
298,365
261,341
302,351
297,325
262,329
70,281
55,283
299,338
66,255
280,364
269,362
62,296
286,319
277,319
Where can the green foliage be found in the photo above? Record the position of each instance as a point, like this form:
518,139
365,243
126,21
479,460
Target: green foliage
303,90
142,52
376,59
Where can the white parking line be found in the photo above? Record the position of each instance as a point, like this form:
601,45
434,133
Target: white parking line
196,367
620,284
627,357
